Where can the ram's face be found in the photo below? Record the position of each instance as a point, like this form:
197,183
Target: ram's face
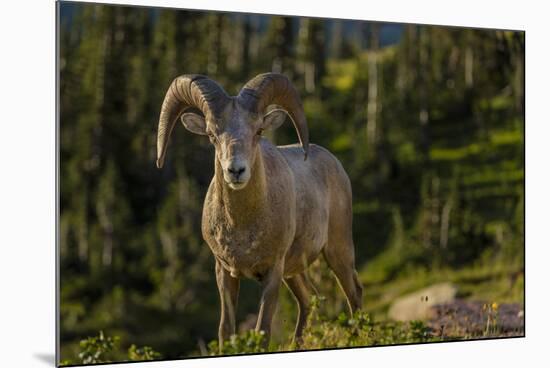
235,134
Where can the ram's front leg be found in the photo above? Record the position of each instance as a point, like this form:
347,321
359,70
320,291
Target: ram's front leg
271,283
228,287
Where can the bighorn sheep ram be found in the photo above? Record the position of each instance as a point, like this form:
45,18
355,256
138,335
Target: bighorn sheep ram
269,211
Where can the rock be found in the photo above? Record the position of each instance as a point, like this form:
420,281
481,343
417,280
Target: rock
417,305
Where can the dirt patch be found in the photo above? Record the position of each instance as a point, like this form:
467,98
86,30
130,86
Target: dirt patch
471,319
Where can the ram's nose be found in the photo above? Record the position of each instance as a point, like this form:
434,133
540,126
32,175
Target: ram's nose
237,174
236,171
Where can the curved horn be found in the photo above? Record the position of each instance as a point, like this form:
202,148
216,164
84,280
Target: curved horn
276,89
187,91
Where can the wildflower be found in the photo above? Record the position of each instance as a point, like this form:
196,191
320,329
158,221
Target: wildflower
494,306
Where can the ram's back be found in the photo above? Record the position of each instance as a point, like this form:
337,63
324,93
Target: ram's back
321,166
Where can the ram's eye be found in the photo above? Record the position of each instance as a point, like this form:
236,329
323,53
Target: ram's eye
211,136
259,132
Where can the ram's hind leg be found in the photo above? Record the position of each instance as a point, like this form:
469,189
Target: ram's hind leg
344,269
340,256
301,288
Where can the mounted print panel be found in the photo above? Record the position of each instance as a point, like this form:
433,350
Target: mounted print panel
234,183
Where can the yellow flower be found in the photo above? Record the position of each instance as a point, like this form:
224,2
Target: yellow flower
494,306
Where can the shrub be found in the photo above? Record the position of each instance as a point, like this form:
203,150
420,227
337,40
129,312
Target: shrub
143,353
97,349
245,343
105,349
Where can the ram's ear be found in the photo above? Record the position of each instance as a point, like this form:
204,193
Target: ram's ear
195,123
274,119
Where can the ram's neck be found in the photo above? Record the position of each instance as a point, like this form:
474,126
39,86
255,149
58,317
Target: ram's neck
243,206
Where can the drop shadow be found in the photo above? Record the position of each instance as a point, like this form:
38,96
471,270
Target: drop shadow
46,358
